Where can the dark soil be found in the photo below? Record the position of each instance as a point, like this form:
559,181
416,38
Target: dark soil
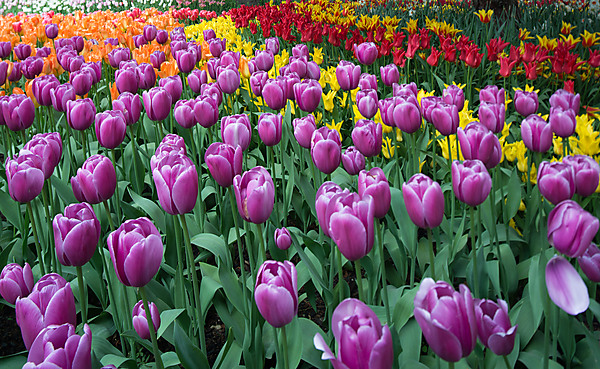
11,342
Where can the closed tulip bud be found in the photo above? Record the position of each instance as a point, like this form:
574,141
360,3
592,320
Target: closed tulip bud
95,69
58,346
571,229
367,101
300,50
587,173
565,100
78,42
283,239
206,111
255,195
60,95
224,162
565,286
209,34
216,46
127,80
162,36
428,103
424,201
264,60
526,103
176,46
82,81
276,292
291,79
491,94
228,78
15,282
176,181
374,183
130,105
407,89
43,52
196,79
157,102
389,74
454,95
269,128
492,115
367,81
18,112
589,263
471,181
14,73
111,41
170,144
478,142
536,133
303,130
353,160
178,34
116,56
324,195
308,94
76,234
146,76
22,51
313,71
5,49
326,149
366,53
236,130
298,65
110,128
51,30
174,87
402,112
367,137
186,60
95,181
74,63
157,58
562,121
353,322
140,320
32,67
48,146
258,80
3,72
184,113
50,302
212,90
150,32
556,181
347,75
275,93
351,223
211,67
493,326
272,44
24,177
42,88
81,113
447,319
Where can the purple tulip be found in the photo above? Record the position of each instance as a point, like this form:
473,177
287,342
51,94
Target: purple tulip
157,102
366,53
116,56
95,181
196,79
216,46
353,160
136,250
491,94
562,121
303,130
276,292
264,60
492,116
110,128
48,146
82,81
478,142
209,34
32,67
587,173
127,80
283,239
402,112
454,95
324,195
5,49
150,32
445,118
140,320
157,58
73,64
571,229
184,113
224,162
272,44
526,103
15,73
275,93
130,105
95,69
255,194
162,36
298,65
206,111
111,41
76,234
471,181
18,112
375,184
367,101
43,52
236,130
407,89
81,113
347,75
313,71
389,74
173,85
291,79
212,90
15,282
308,95
326,149
22,51
447,319
566,287
258,80
50,302
211,67
78,42
589,263
556,181
3,73
58,346
566,100
536,133
146,76
170,144
139,41
51,30
24,177
176,181
367,81
228,78
424,201
493,326
269,128
186,60
60,95
362,341
367,137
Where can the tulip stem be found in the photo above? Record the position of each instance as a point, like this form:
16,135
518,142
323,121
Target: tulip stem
82,299
340,272
117,203
53,262
474,253
182,292
450,365
397,158
110,221
452,201
284,348
35,238
263,247
157,357
386,301
506,362
239,247
192,271
431,254
359,281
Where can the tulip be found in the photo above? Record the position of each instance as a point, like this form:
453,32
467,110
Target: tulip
389,74
162,36
362,341
255,194
24,177
196,79
471,181
157,102
402,112
566,287
18,112
95,181
313,71
50,302
445,118
478,142
127,80
58,346
3,73
186,60
562,121
283,239
150,32
454,95
176,181
491,94
367,101
236,130
174,87
276,292
82,81
326,149
43,52
5,49
264,60
184,113
291,79
139,41
375,184
353,160
366,53
140,320
32,67
209,34
324,195
216,46
60,95
111,41
224,162
565,100
130,105
211,67
15,73
48,146
589,263
308,95
587,173
95,69
367,137
228,78
258,80
146,76
136,250
272,45
347,75
15,282
212,90
556,181
493,326
275,93
51,30
492,116
171,144
571,229
22,51
407,89
81,113
366,81
424,201
536,133
76,234
116,56
447,319
157,58
110,128
269,128
206,111
78,42
526,103
303,130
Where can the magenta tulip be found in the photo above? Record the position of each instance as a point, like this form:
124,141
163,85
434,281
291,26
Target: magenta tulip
206,110
303,130
526,103
491,94
130,105
15,282
76,234
308,95
493,326
176,181
587,173
58,346
366,53
18,112
48,146
536,133
424,201
276,292
571,229
24,177
454,95
283,239
269,128
140,320
478,142
471,181
367,137
556,181
326,149
353,160
110,128
236,130
255,194
42,88
347,75
274,92
367,101
565,100
389,74
157,102
95,181
589,263
60,95
224,162
566,287
81,113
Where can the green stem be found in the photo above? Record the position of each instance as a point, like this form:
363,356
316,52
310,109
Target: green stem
53,262
82,299
284,348
450,365
340,271
386,301
474,252
157,357
396,157
506,362
359,281
182,291
239,247
263,247
452,200
431,254
117,201
108,215
35,239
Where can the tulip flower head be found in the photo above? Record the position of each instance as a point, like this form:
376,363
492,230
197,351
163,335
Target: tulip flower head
76,234
536,133
81,113
556,181
367,137
255,195
176,181
424,201
565,286
95,181
478,142
140,320
347,75
493,326
236,130
283,239
326,149
157,102
303,130
276,292
58,346
353,160
15,282
571,229
25,177
587,173
471,181
48,146
589,263
269,128
224,162
375,184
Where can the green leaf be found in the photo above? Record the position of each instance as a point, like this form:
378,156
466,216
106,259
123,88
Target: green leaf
10,209
214,244
410,340
189,354
233,289
308,329
154,211
14,361
166,318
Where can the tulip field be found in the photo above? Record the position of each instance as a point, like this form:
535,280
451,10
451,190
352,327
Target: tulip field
299,184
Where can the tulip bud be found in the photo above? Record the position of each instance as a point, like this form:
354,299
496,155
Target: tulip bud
82,81
150,32
212,90
536,133
264,60
146,76
209,34
587,173
51,30
478,142
424,201
562,121
216,46
367,101
492,95
556,181
32,67
95,181
565,100
283,240
353,160
130,105
60,95
255,195
493,326
157,102
24,177
367,81
492,116
18,112
236,130
308,95
276,292
224,162
589,263
366,53
408,89
15,282
471,181
375,184
526,103
116,56
275,93
157,58
326,149
402,112
162,36
389,74
454,95
186,60
173,86
5,49
110,128
76,234
176,181
367,137
196,79
272,45
14,73
566,287
140,320
571,229
81,113
206,111
269,128
42,88
303,130
347,75
48,146
228,78
184,113
22,51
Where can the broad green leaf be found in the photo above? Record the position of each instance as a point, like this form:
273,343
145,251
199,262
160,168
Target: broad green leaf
189,353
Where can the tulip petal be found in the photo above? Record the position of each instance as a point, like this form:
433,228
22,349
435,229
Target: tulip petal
275,303
143,261
566,287
320,345
445,344
349,234
382,354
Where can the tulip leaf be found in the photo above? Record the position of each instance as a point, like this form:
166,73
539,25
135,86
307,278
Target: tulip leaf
10,209
208,287
410,340
233,290
308,329
189,353
214,244
63,189
116,360
408,231
14,361
154,211
166,318
513,195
